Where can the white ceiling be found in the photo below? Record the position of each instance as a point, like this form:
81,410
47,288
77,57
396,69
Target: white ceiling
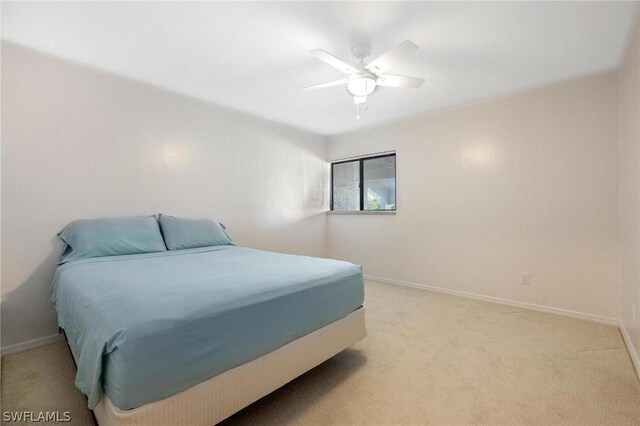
254,56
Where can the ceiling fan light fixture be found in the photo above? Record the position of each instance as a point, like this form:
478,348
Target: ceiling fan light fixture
359,100
363,78
361,85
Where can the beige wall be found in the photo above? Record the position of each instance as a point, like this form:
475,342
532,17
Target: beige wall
79,143
527,183
629,136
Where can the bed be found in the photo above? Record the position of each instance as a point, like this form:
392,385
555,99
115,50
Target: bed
192,336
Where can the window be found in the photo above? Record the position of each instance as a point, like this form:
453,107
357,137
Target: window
364,184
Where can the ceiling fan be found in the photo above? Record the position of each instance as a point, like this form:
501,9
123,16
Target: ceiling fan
364,78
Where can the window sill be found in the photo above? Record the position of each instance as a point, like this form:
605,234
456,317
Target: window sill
370,212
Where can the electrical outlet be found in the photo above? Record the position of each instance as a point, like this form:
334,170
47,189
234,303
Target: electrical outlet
525,278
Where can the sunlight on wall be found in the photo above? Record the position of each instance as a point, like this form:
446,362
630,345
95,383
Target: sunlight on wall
174,156
478,155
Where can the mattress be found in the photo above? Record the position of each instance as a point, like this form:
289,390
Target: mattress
219,397
148,326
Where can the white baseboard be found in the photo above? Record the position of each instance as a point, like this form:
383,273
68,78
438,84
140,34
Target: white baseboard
633,353
31,344
548,309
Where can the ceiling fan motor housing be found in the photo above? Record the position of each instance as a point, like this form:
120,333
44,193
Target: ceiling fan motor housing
361,51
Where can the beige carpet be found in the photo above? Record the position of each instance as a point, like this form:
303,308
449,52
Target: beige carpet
429,359
41,380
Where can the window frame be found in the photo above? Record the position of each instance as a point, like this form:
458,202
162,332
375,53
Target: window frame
360,161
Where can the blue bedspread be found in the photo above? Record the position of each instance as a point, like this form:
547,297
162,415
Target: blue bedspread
147,326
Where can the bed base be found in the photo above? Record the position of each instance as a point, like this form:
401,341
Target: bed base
215,399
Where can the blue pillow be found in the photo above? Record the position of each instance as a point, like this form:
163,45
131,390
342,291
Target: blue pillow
182,233
87,238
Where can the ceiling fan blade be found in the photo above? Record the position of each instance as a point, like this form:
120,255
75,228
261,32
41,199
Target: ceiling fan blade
391,80
327,84
392,57
334,62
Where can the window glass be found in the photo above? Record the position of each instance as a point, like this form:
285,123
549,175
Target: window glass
380,183
364,184
346,186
